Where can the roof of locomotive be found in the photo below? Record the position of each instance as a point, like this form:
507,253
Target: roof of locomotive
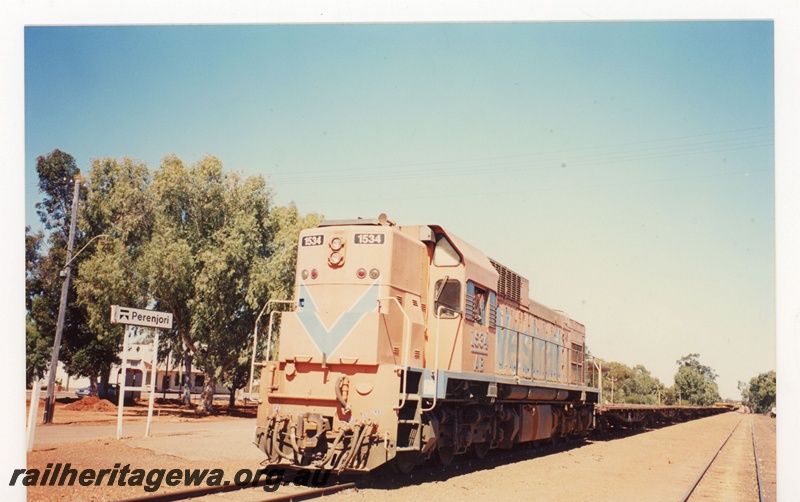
478,266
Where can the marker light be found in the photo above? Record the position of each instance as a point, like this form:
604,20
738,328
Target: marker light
361,273
304,274
374,273
336,244
313,273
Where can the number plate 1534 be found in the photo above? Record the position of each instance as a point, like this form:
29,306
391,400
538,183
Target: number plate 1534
369,238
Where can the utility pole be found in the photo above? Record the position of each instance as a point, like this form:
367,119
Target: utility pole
49,404
612,389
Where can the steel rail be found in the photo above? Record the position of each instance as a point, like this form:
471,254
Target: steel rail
708,466
312,493
210,490
758,465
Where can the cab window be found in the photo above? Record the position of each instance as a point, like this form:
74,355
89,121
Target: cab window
444,254
447,295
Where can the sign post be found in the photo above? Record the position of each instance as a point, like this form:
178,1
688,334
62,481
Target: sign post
152,383
37,389
131,318
140,317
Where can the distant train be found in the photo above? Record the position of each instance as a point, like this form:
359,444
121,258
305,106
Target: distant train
406,343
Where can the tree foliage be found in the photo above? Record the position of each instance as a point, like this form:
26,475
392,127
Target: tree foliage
46,256
56,172
214,259
205,245
623,384
760,393
696,383
116,206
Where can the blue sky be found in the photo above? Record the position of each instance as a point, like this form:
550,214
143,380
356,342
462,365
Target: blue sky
626,169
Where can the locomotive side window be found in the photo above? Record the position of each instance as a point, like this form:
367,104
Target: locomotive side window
444,254
476,303
448,295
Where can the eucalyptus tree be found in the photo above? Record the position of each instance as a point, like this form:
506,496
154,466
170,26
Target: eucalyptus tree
37,345
56,172
277,276
630,385
272,278
117,211
209,262
696,382
760,393
46,256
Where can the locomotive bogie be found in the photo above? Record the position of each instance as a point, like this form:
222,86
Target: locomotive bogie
327,418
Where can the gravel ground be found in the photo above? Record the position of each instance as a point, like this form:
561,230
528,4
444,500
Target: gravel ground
656,465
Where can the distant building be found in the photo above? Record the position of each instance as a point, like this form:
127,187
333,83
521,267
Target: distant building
169,374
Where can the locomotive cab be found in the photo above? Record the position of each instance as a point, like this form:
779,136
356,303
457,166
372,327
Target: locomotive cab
358,321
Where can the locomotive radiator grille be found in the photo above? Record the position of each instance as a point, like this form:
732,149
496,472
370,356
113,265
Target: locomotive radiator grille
509,284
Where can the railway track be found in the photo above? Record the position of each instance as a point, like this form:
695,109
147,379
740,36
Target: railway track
733,473
431,471
247,492
723,477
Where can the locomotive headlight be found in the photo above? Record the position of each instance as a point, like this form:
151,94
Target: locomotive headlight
335,259
336,244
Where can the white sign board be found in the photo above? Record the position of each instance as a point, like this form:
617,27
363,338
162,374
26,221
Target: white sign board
140,317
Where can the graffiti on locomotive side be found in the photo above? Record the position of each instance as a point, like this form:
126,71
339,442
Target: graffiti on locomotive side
507,345
524,351
526,355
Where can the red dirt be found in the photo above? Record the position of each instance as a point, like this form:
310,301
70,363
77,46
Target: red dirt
91,403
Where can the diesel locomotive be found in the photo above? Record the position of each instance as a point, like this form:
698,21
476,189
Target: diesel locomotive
405,343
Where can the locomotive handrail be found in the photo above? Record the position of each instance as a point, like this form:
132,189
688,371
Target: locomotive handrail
269,340
458,313
599,368
271,323
407,342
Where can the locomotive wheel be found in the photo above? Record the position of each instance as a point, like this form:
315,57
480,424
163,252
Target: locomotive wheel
445,455
404,463
480,449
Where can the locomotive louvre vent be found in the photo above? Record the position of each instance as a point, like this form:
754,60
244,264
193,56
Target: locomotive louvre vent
509,284
577,352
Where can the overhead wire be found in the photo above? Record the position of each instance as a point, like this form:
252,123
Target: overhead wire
543,160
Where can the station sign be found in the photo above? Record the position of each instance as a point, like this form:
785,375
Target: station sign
140,317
